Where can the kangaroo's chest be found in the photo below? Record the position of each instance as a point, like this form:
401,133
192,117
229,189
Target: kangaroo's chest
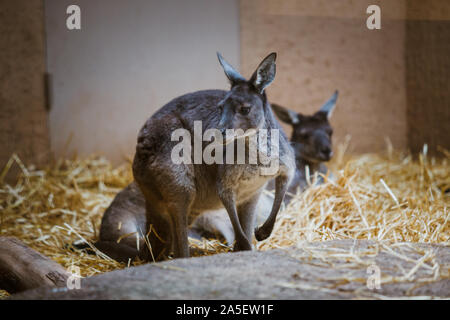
246,180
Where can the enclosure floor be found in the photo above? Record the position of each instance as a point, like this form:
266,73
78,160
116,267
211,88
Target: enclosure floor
339,269
388,198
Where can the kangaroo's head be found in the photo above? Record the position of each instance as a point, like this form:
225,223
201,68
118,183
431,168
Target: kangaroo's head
244,105
311,135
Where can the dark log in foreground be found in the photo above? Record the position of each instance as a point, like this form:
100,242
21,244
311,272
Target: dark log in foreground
22,268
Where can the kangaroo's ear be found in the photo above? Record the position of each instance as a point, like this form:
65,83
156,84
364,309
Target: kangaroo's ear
265,73
286,115
230,72
329,106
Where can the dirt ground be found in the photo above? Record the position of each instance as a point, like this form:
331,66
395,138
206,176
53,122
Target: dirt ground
341,269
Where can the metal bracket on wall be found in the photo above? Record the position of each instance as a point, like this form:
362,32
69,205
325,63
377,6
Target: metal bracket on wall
48,91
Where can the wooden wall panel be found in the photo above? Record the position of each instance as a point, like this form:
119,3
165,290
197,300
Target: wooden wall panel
428,75
23,116
325,45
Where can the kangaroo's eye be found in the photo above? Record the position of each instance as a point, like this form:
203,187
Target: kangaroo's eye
245,111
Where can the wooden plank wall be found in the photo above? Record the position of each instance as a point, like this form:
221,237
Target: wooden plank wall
325,45
428,74
23,115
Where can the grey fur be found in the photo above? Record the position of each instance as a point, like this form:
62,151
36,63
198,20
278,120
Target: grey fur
265,73
329,106
230,72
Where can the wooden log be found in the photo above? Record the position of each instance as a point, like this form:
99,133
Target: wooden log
23,268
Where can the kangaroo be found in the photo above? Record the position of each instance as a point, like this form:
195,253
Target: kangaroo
124,221
174,194
311,141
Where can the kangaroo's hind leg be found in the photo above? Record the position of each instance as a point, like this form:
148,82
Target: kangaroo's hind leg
178,212
159,234
168,190
123,223
117,251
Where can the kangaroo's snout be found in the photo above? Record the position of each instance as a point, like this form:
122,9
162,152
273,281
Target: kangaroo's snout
325,153
319,146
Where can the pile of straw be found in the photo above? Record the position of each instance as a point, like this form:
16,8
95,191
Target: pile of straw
51,208
388,197
373,197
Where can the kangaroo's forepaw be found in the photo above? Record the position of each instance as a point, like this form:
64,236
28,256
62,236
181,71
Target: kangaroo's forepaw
261,234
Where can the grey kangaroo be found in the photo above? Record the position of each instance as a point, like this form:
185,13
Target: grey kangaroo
173,194
311,141
125,217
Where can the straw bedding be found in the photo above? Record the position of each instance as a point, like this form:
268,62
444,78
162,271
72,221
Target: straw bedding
387,197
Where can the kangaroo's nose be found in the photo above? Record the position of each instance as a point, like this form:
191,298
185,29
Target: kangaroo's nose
326,152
